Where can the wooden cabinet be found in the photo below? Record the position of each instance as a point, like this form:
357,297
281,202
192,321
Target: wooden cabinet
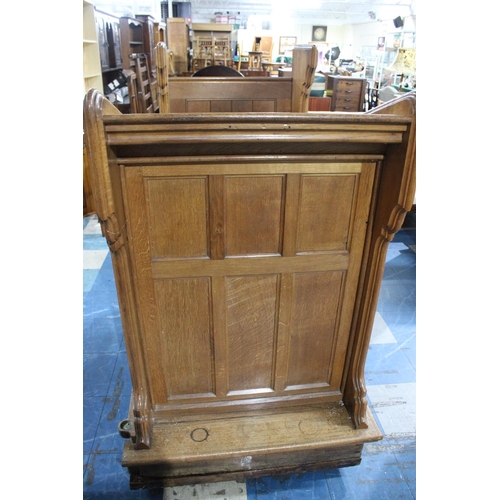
102,35
248,253
108,28
132,40
149,40
348,93
178,42
108,31
92,77
160,32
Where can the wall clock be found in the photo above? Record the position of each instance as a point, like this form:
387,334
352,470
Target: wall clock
319,33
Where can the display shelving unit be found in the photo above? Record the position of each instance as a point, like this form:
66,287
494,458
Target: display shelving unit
92,77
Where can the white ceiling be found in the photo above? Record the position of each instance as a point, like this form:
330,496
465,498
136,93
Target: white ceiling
328,12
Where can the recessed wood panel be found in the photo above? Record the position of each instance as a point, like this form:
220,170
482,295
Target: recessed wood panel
314,314
242,106
251,327
228,105
264,106
220,106
254,207
184,312
178,105
326,229
178,208
197,106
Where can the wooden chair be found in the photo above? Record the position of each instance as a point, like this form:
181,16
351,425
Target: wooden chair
221,51
255,61
133,94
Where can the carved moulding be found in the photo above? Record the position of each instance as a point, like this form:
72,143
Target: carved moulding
114,229
391,207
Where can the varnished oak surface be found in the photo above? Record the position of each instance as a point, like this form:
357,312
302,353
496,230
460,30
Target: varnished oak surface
249,446
88,208
248,252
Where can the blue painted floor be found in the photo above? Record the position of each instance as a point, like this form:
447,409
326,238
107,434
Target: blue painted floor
388,467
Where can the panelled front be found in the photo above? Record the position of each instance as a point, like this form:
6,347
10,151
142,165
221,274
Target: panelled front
246,275
226,105
230,95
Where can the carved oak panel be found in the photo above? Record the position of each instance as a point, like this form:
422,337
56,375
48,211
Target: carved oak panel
178,207
252,306
253,209
184,317
248,288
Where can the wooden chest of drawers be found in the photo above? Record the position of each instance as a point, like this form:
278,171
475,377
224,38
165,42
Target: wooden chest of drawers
348,93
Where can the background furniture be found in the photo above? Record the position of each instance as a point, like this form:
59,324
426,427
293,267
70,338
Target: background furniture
255,61
272,67
178,43
209,51
319,103
248,286
258,94
108,28
132,40
348,93
160,32
92,77
149,40
263,44
142,87
109,41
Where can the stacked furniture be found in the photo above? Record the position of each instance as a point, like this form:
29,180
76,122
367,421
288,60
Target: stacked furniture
210,51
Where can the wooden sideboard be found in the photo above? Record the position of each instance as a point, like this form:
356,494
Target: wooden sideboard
248,252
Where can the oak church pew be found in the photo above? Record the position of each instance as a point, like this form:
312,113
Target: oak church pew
248,251
240,95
